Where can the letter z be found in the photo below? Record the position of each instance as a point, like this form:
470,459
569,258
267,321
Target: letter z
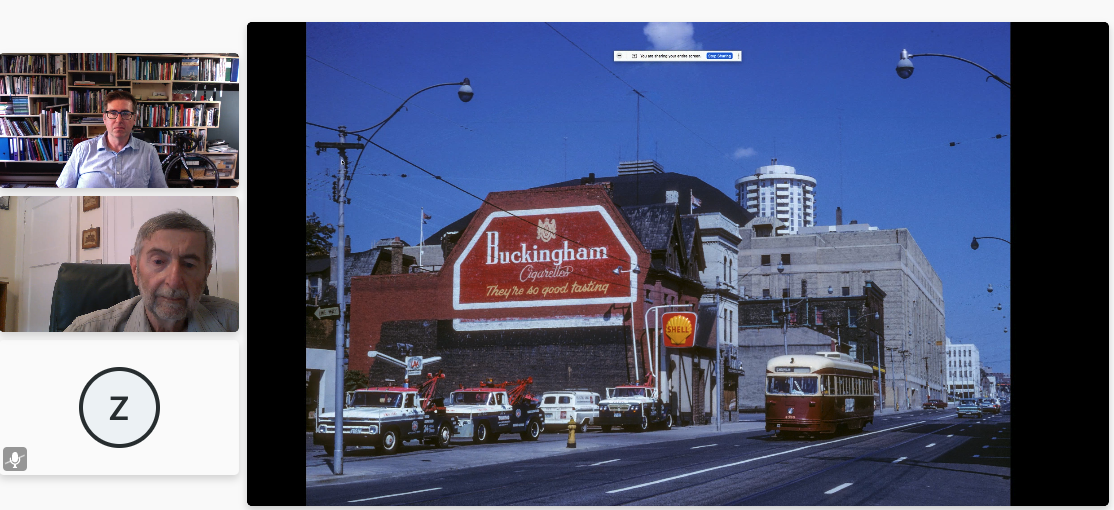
122,400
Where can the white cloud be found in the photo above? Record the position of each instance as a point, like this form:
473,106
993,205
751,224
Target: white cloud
747,152
671,36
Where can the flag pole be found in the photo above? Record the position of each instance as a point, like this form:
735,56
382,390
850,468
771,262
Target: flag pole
690,201
421,237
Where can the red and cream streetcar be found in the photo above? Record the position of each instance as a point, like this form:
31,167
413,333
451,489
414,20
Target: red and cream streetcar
819,393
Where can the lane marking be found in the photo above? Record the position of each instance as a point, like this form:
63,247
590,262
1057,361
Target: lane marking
686,475
976,456
930,445
705,446
393,495
604,462
986,446
899,459
838,488
993,438
950,435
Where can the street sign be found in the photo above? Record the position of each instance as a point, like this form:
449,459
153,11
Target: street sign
327,313
413,365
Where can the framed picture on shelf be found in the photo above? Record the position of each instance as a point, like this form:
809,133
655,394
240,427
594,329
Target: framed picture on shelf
91,238
90,203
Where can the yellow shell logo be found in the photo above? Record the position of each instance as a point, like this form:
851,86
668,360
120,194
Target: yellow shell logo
678,329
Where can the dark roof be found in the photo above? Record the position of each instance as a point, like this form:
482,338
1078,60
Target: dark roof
688,231
705,325
653,224
317,265
651,189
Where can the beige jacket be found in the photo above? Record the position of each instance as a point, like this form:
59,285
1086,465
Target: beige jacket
211,314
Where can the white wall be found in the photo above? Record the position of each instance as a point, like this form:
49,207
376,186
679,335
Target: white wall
8,259
124,215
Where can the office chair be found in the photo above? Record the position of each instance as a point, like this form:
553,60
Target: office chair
85,288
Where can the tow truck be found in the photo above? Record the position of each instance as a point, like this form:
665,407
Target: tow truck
486,412
634,407
385,417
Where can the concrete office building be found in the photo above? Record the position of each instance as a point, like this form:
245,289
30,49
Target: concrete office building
844,258
777,191
963,369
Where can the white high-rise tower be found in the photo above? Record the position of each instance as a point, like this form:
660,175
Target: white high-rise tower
778,191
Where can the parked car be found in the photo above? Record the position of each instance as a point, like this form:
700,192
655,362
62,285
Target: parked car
560,406
934,404
968,406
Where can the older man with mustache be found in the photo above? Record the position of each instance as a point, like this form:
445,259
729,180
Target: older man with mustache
172,258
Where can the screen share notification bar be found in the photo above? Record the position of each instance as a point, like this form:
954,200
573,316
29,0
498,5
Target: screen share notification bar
678,56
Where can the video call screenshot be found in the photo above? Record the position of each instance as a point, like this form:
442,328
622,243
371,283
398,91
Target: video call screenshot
548,263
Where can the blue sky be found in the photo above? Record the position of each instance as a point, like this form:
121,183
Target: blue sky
821,97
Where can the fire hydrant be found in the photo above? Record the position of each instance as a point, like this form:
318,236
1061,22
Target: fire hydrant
572,434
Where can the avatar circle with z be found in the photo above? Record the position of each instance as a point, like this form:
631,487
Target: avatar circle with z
119,407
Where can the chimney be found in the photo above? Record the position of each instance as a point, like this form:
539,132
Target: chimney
591,179
347,244
839,216
854,222
396,256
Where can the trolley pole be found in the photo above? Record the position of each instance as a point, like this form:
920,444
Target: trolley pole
340,198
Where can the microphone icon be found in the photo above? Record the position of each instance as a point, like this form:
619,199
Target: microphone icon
15,460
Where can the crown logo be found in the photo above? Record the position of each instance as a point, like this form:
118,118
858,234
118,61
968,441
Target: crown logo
547,230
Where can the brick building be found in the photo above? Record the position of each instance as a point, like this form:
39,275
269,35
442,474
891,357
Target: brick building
575,318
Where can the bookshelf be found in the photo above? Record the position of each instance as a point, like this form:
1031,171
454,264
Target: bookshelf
60,97
32,104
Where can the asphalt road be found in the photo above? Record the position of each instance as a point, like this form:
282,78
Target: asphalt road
913,458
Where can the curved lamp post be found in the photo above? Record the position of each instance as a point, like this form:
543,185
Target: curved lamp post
465,94
905,66
975,241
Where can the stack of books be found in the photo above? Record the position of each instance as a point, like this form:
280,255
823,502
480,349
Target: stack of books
21,105
6,108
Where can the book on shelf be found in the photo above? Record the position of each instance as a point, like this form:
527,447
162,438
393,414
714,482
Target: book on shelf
84,82
189,69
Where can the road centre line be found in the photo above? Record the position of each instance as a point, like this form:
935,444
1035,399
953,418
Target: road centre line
930,445
604,462
758,458
393,495
705,446
839,488
899,459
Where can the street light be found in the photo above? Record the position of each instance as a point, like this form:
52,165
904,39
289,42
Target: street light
465,94
905,66
975,242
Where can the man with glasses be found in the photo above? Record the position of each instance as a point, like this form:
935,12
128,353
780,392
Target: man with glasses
114,159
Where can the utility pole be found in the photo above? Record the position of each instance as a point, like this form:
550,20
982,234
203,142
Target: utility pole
340,198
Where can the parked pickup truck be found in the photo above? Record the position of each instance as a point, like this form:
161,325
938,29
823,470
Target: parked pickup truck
386,417
634,407
486,412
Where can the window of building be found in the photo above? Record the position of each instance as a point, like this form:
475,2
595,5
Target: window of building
847,291
804,288
766,293
765,260
785,258
785,292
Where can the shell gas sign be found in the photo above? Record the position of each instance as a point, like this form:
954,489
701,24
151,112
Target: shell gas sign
545,257
679,329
